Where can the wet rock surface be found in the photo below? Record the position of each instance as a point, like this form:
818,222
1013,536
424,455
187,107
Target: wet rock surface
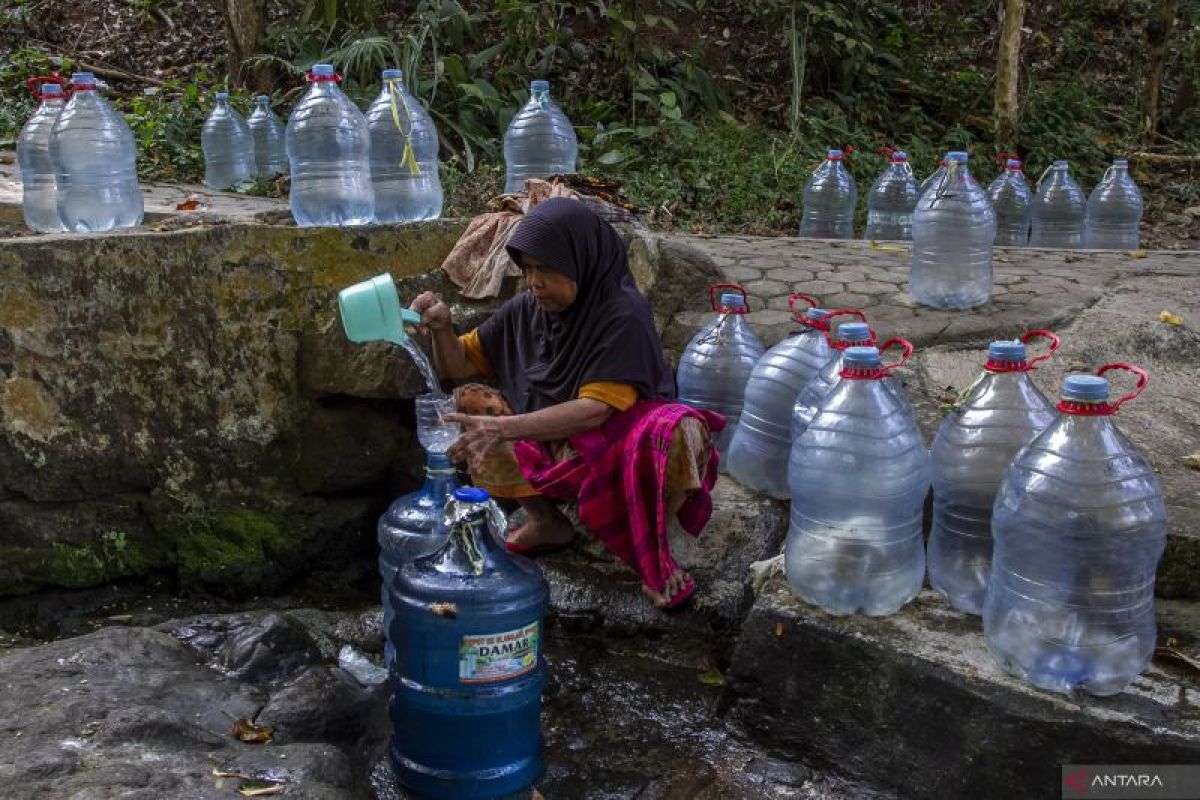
914,701
150,713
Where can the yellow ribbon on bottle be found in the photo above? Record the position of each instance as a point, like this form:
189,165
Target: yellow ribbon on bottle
408,158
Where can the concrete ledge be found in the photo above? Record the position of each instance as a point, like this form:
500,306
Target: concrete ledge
915,702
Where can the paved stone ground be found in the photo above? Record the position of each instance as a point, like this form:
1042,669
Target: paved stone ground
1034,288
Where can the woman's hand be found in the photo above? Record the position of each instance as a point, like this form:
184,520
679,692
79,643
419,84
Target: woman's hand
479,437
435,313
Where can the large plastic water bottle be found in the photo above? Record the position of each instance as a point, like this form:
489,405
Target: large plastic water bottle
412,527
228,147
758,451
1000,413
826,379
1114,211
39,198
859,476
404,155
891,201
1079,526
329,148
829,200
1011,200
1058,210
95,159
469,668
270,139
540,140
953,229
717,362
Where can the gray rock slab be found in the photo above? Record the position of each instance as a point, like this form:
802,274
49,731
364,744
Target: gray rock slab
914,701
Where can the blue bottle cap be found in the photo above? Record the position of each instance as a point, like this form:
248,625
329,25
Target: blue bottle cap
853,332
393,74
261,98
860,357
539,86
82,77
1013,163
1085,388
1007,351
51,90
835,154
322,69
1120,162
471,494
899,155
1060,164
815,314
732,300
221,95
960,156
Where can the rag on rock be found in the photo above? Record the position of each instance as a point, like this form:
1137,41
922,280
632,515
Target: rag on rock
479,262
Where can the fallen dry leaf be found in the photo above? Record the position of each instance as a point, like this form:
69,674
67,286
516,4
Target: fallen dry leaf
250,733
712,677
190,204
447,610
1192,460
887,248
1169,318
1136,254
1177,657
778,629
1071,258
260,789
224,773
1078,366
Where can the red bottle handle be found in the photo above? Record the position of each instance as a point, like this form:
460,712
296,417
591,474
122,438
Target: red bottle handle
799,315
721,309
1040,334
906,349
35,82
313,77
1143,379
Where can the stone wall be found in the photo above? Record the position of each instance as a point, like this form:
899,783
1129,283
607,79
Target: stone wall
186,399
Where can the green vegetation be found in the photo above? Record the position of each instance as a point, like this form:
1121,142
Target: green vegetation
209,542
712,112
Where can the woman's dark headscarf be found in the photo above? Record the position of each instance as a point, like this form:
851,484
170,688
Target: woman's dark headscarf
542,358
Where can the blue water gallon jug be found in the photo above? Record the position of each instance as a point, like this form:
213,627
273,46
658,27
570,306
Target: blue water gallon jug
413,526
1001,412
758,452
1079,526
717,362
469,669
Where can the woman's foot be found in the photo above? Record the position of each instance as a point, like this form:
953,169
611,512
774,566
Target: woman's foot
547,529
678,589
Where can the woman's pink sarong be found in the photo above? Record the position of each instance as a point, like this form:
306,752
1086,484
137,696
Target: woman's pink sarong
618,477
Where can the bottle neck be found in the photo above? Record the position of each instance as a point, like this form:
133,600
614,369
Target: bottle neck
441,478
539,98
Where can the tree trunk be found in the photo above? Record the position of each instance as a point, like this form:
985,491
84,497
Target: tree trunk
244,25
1185,95
1158,36
1008,72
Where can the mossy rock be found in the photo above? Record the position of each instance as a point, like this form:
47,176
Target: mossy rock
235,551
